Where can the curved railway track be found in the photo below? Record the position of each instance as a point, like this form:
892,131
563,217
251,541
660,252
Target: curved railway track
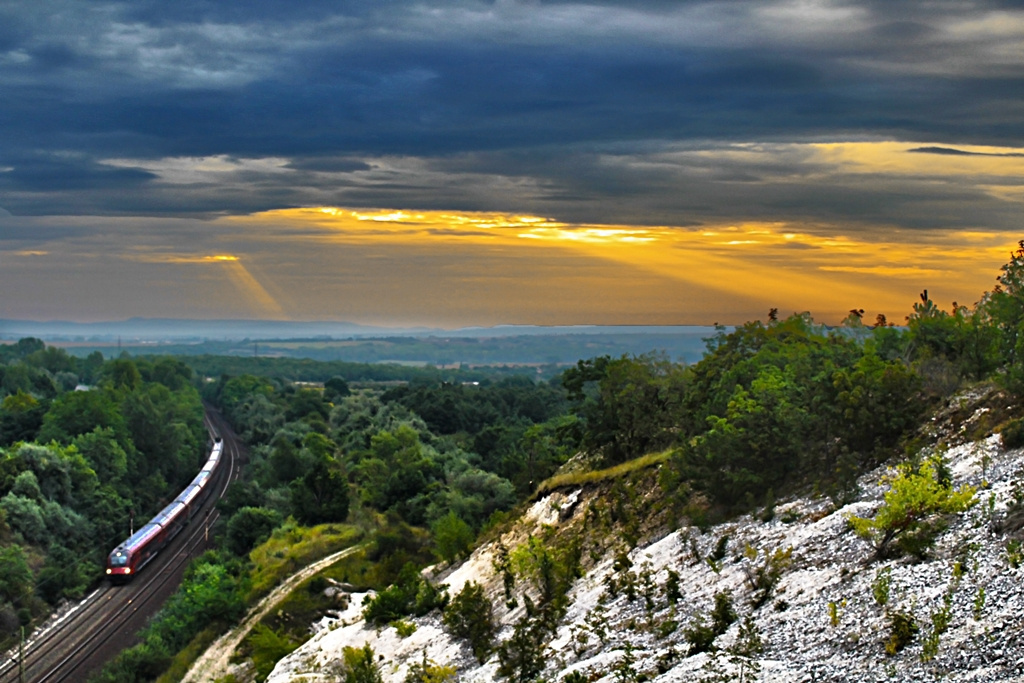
81,639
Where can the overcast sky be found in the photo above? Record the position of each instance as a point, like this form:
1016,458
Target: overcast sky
475,163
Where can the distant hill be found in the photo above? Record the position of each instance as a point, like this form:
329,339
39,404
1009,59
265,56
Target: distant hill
334,341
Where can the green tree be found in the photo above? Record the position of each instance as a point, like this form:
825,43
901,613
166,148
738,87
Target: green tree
521,657
627,406
52,359
1005,308
470,615
208,595
171,372
452,537
335,389
15,575
912,509
876,402
122,373
80,412
21,417
321,495
104,454
249,527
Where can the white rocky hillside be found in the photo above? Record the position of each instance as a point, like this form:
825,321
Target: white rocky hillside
821,620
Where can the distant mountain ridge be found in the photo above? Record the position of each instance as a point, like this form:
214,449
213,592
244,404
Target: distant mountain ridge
502,345
178,330
172,329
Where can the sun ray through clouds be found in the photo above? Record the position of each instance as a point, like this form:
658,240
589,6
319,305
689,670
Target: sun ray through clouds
803,268
257,298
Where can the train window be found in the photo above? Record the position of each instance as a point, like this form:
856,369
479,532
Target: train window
118,559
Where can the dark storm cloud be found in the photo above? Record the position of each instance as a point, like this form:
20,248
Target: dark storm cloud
950,151
505,105
57,174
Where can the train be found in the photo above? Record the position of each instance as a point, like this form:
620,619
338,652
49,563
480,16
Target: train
125,561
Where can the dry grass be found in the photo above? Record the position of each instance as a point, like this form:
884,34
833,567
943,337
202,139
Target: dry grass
597,476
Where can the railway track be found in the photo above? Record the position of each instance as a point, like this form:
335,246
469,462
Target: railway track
84,637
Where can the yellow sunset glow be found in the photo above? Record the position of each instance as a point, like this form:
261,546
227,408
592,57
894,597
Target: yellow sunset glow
762,264
899,158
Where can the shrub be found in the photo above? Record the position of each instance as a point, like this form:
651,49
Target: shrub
902,631
723,614
552,568
268,647
911,514
521,657
834,611
673,593
701,636
1014,553
718,554
249,527
411,595
941,619
764,577
748,640
403,628
1013,434
358,665
391,604
881,585
429,671
470,615
452,537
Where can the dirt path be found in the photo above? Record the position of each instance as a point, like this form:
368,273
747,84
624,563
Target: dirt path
213,663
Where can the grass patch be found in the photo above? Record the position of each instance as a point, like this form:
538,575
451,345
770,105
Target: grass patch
598,476
184,660
292,547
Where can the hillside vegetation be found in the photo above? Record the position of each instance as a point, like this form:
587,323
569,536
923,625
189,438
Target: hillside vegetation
591,583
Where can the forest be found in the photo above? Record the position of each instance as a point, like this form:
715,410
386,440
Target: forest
421,463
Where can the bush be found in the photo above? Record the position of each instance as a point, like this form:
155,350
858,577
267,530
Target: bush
470,615
411,595
723,614
429,671
249,527
268,647
1013,434
911,514
452,537
763,578
881,585
701,636
358,665
521,657
902,631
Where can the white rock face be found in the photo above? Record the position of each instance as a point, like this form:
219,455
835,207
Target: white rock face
804,638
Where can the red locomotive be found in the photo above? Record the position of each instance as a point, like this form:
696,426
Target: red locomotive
142,546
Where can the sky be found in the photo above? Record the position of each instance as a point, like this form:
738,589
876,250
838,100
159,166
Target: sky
459,163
